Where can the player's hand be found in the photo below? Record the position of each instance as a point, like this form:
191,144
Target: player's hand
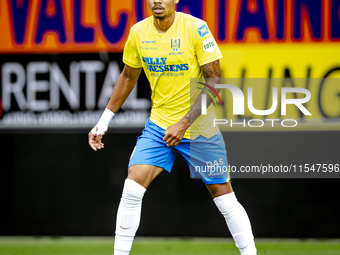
174,133
96,134
95,137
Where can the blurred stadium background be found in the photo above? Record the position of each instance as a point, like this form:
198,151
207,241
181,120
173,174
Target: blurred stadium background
59,61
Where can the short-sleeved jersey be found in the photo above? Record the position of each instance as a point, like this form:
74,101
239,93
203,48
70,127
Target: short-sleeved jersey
169,61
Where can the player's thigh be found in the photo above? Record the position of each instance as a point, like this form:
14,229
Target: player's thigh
152,150
206,158
151,156
219,189
143,174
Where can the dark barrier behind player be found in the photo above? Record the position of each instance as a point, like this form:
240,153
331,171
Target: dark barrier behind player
51,184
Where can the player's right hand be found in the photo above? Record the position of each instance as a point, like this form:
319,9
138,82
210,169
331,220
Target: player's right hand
95,137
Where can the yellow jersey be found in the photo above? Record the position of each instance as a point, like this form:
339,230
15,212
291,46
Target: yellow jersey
169,61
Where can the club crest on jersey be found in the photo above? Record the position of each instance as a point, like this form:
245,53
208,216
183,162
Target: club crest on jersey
175,44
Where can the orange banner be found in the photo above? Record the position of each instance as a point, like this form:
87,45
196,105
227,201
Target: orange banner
29,26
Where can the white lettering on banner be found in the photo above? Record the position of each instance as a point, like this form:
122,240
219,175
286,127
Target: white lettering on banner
34,86
91,68
15,91
111,78
69,90
16,88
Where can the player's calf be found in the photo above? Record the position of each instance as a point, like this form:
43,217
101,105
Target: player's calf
238,223
128,216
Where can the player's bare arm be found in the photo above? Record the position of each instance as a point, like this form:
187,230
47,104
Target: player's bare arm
123,87
174,133
212,74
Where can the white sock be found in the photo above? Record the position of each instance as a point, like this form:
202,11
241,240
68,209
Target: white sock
117,252
238,223
128,216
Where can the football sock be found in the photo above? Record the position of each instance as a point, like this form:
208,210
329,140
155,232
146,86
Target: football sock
128,216
238,223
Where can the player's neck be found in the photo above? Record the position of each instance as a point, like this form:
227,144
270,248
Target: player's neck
162,25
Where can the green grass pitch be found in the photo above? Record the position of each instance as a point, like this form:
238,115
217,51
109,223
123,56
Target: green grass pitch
161,246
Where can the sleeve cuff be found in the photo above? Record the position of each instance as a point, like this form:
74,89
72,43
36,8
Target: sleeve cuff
131,64
209,60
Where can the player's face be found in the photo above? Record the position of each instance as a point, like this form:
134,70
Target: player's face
162,8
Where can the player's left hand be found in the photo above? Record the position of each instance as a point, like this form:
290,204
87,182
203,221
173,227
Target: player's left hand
95,140
174,133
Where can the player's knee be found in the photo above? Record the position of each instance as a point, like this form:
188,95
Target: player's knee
135,175
217,190
143,174
133,192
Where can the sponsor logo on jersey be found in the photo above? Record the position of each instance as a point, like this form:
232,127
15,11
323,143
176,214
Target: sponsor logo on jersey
148,48
203,30
209,45
159,65
154,41
176,53
175,44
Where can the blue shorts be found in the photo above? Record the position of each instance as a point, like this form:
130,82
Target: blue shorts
206,158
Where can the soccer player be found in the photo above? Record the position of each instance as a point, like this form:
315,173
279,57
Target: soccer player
172,47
